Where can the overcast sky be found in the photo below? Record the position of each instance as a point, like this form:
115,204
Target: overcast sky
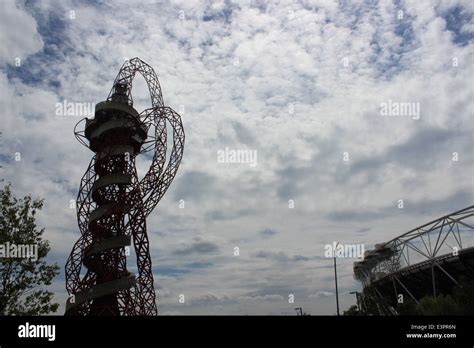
302,83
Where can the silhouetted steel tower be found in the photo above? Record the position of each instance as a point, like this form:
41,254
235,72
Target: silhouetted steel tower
112,204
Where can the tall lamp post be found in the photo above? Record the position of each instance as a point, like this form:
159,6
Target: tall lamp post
357,299
335,278
300,310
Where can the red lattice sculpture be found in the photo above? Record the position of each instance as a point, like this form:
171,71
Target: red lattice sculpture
112,204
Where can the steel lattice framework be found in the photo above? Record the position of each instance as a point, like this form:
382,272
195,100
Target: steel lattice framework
113,204
433,246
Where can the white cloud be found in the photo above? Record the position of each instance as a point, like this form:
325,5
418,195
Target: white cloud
321,294
288,54
18,33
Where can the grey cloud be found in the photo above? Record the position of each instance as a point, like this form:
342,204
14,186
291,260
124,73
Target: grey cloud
228,214
209,299
291,182
321,294
268,232
421,151
354,215
193,185
271,297
279,256
441,206
425,146
301,258
294,177
198,246
243,133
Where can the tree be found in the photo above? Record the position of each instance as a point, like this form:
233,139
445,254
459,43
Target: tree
408,307
371,304
23,276
353,310
464,295
460,301
439,305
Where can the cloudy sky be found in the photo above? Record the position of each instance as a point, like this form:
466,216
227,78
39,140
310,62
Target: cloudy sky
301,83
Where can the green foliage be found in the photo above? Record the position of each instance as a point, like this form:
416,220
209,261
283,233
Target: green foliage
408,307
371,304
459,302
22,279
353,310
439,305
464,296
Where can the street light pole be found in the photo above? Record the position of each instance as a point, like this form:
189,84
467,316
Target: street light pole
357,299
335,280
